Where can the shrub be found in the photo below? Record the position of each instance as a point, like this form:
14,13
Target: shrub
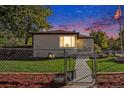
97,49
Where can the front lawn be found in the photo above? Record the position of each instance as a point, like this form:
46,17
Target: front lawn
51,65
107,65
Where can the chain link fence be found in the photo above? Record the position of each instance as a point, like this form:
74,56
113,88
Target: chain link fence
48,64
84,70
32,60
75,66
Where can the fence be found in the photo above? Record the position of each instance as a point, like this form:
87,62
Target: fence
110,69
35,60
110,61
15,53
84,68
49,59
68,62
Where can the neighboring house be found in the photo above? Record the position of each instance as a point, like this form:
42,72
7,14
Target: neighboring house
50,42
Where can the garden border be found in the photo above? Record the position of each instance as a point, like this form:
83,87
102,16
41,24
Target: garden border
98,73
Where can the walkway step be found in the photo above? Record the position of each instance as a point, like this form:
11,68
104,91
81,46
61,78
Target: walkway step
80,85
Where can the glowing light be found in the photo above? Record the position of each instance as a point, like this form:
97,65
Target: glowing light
67,41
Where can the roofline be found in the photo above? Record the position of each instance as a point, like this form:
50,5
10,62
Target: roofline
51,33
69,33
85,37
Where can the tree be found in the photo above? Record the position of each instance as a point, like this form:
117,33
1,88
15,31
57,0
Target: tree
97,49
114,44
100,38
20,20
7,39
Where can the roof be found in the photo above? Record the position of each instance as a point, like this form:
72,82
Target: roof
61,32
55,32
84,36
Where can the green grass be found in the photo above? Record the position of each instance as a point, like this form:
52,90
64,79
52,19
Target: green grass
107,65
52,65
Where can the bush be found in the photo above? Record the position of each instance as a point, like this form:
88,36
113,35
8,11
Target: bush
97,49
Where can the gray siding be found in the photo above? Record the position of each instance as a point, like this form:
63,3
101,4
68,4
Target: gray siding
85,45
46,41
45,44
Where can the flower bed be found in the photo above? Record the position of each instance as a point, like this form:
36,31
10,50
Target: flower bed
28,80
110,80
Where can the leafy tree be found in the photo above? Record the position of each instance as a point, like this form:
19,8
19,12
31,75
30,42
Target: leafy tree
20,20
97,49
7,39
114,44
100,38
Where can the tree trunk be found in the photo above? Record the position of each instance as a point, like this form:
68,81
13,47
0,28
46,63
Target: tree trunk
26,40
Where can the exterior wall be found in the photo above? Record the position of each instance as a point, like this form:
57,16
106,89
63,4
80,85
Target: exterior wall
46,41
45,44
85,45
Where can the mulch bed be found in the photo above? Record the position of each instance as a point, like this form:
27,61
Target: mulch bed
40,80
110,80
28,80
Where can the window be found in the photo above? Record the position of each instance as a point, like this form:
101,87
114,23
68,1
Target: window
67,41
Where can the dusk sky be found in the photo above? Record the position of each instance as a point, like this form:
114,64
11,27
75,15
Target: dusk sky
85,18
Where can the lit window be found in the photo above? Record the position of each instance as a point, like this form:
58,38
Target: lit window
67,41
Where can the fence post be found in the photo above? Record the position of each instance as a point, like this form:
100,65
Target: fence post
95,67
92,65
65,65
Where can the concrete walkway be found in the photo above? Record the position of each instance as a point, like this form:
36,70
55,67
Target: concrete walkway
83,75
80,86
83,72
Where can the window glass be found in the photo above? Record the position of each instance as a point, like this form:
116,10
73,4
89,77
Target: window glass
73,41
61,41
67,41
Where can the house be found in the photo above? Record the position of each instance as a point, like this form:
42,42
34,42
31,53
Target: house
50,42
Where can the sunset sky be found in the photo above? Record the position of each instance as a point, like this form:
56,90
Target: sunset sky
85,18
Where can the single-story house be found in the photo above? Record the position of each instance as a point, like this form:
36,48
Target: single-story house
50,42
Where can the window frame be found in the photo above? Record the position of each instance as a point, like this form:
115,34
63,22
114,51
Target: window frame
63,44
